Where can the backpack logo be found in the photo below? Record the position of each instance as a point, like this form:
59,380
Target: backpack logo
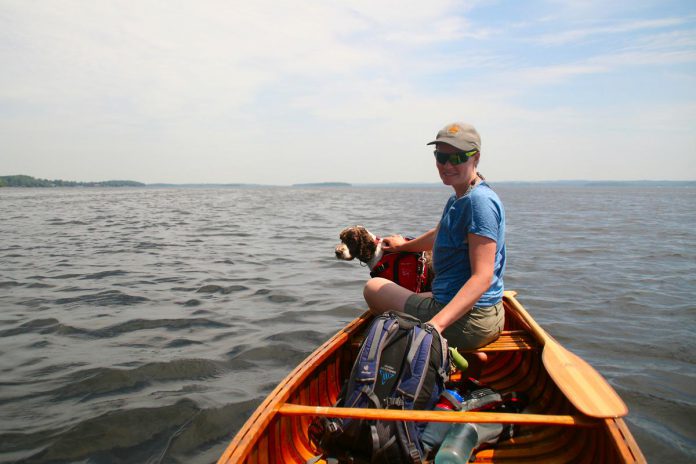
386,373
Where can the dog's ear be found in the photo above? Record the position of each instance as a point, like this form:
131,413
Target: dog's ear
366,245
352,233
347,234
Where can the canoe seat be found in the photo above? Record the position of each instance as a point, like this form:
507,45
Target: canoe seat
510,340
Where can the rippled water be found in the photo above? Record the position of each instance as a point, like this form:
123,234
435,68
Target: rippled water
146,325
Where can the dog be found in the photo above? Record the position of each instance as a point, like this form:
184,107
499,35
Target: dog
410,270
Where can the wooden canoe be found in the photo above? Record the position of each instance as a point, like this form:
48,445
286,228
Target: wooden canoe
574,415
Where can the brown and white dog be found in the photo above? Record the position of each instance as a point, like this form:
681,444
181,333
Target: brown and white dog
410,270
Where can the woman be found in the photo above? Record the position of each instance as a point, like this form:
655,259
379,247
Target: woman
468,252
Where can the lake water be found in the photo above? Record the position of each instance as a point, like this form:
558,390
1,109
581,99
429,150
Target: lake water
145,325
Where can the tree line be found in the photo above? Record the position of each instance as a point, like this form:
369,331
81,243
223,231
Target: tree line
29,181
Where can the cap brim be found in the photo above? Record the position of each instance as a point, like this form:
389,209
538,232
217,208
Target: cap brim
462,145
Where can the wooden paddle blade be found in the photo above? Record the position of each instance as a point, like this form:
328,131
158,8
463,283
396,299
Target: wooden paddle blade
589,392
584,387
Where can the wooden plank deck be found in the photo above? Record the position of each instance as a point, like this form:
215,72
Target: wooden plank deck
511,340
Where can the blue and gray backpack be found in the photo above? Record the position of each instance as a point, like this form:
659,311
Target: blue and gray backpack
402,364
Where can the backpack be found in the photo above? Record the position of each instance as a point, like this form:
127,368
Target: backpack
402,364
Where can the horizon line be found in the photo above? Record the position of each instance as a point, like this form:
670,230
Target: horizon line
360,184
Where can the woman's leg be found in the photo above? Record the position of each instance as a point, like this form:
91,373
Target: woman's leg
384,295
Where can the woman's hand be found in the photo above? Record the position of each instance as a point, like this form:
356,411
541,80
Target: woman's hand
392,243
436,326
396,243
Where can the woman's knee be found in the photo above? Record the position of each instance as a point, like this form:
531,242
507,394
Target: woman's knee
374,285
372,289
384,295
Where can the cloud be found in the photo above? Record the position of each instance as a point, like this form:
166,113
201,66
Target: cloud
600,32
444,30
601,64
657,50
300,91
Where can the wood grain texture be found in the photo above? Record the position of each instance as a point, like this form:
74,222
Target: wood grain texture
555,428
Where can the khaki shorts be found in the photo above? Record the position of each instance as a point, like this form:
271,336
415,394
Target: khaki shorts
475,329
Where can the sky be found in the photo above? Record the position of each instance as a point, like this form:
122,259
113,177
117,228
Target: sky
282,92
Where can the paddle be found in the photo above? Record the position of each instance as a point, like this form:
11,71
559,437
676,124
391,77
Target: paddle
586,389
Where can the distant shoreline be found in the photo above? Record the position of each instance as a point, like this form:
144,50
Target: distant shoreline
24,181
323,184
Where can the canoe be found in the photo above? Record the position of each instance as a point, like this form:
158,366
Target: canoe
574,416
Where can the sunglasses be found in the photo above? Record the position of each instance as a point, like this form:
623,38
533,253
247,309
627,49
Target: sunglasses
454,158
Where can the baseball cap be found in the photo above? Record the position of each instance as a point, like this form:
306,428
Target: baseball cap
459,135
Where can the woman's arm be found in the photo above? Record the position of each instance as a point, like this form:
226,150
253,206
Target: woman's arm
395,243
482,257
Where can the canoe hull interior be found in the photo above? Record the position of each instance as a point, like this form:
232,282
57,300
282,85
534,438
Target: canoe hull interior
515,364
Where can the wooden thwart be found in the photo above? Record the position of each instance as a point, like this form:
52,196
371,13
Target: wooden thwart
511,340
289,409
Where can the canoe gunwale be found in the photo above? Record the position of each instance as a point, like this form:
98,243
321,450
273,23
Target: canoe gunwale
290,406
267,410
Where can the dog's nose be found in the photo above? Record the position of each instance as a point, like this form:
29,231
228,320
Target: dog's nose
340,251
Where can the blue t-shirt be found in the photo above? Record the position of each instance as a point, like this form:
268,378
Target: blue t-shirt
479,212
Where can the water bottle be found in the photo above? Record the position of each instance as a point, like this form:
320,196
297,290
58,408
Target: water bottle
458,444
435,432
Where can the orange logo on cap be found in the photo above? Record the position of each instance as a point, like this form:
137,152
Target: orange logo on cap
452,129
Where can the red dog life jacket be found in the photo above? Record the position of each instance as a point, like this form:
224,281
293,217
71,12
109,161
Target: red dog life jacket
403,268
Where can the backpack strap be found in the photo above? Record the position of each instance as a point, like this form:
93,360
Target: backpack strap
412,378
405,431
384,444
365,367
445,359
445,364
418,359
415,346
375,340
369,392
390,440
